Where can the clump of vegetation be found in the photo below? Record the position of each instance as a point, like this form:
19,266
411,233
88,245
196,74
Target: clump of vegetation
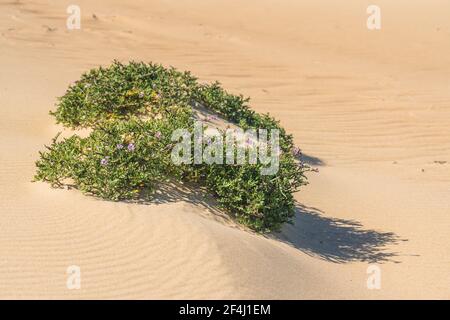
132,110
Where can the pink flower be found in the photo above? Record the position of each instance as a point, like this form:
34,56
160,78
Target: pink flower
104,161
296,151
158,135
131,147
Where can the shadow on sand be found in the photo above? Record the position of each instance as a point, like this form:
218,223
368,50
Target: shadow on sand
311,160
336,240
332,239
173,192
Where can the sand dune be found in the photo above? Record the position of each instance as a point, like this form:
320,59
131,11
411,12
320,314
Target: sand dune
370,109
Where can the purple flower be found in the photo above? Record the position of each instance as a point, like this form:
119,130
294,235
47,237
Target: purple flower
158,135
104,161
141,94
131,147
296,151
120,146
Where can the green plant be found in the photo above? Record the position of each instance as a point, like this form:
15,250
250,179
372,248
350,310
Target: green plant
132,110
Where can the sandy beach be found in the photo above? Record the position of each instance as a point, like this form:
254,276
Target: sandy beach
369,108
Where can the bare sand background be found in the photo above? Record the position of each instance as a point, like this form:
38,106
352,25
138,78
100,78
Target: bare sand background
371,109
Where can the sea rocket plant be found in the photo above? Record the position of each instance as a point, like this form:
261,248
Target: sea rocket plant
134,111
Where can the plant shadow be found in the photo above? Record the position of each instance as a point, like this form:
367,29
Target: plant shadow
336,240
310,160
331,239
190,193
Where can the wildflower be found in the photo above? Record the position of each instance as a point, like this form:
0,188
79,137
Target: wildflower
131,147
296,151
120,146
141,94
104,161
158,135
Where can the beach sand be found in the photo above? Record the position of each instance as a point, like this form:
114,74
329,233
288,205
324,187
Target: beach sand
369,108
